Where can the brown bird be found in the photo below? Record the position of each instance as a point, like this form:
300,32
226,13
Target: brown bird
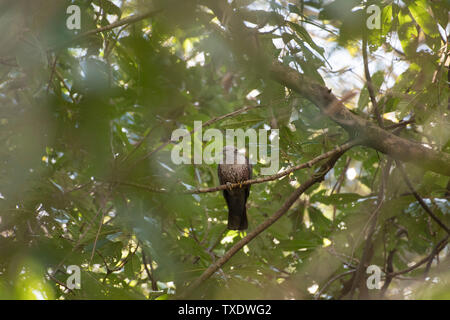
235,168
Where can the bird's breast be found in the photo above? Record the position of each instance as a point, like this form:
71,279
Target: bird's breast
233,173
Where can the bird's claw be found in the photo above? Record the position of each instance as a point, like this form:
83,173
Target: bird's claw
229,184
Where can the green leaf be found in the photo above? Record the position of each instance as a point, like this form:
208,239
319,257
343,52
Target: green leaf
109,7
419,11
407,33
320,222
336,199
301,240
243,3
303,34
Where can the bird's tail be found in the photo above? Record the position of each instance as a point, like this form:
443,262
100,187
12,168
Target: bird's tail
237,215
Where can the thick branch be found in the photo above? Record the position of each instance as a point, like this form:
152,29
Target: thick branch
374,136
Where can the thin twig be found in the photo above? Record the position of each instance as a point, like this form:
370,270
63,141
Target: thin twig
137,145
62,284
337,277
96,236
435,253
389,270
150,274
400,124
419,198
61,79
369,82
440,244
52,73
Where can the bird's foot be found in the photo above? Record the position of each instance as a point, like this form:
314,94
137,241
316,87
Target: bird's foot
229,184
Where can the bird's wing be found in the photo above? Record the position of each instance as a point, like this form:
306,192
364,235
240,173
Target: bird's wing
218,173
224,192
250,174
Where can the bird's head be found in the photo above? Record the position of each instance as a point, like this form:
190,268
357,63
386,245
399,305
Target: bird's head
230,149
233,155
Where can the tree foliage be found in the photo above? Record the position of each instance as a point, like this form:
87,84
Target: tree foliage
86,176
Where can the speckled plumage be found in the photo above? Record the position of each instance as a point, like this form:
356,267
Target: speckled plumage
236,168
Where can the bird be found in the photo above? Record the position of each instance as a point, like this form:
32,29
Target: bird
235,169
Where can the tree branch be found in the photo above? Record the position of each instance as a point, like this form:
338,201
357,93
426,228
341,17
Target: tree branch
333,279
374,136
128,20
279,175
439,246
368,248
150,274
317,177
